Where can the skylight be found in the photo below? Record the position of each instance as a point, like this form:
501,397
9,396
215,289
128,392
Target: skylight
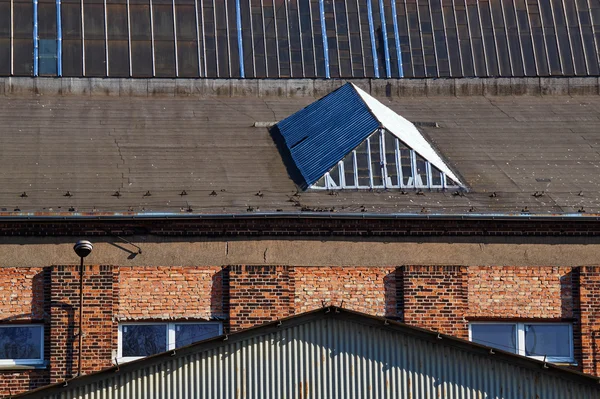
383,161
350,140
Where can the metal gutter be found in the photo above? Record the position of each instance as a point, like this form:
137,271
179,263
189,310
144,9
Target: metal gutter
106,216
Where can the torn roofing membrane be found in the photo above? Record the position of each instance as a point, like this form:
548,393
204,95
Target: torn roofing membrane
320,135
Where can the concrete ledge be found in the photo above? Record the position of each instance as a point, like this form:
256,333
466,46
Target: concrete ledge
316,88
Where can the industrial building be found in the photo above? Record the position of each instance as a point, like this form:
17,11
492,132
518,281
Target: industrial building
330,353
430,163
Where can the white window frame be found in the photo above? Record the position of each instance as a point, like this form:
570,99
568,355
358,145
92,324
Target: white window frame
520,339
25,362
170,336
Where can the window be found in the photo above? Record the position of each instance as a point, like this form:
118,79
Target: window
550,341
21,345
383,161
137,340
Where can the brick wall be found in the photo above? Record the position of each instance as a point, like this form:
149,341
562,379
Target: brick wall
170,293
370,290
520,292
589,297
440,298
258,294
22,292
24,297
435,297
100,332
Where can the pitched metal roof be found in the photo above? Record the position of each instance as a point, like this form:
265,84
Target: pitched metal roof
318,349
316,38
320,135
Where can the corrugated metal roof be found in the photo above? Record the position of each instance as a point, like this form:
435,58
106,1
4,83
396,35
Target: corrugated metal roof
330,353
320,135
308,38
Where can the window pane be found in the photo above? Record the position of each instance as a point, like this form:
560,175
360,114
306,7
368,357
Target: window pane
320,183
390,159
406,165
421,175
349,169
47,57
376,161
500,336
20,342
436,177
186,334
144,339
362,164
334,174
549,340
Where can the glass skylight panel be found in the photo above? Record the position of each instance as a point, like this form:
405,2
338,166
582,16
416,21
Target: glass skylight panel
334,177
421,169
362,165
383,161
376,160
436,176
349,170
391,163
405,154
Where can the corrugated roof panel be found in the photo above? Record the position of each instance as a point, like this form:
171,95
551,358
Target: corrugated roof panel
321,134
330,355
282,39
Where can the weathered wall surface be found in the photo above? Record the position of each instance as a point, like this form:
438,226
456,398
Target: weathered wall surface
548,251
520,292
369,290
170,292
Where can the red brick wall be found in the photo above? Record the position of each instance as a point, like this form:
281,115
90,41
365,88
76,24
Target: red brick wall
14,382
258,294
100,331
520,292
589,296
22,293
435,297
24,297
440,298
370,290
170,293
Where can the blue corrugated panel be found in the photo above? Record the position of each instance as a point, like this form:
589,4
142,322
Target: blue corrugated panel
320,135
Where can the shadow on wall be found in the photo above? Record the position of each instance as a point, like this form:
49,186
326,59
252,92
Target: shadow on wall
392,288
219,297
